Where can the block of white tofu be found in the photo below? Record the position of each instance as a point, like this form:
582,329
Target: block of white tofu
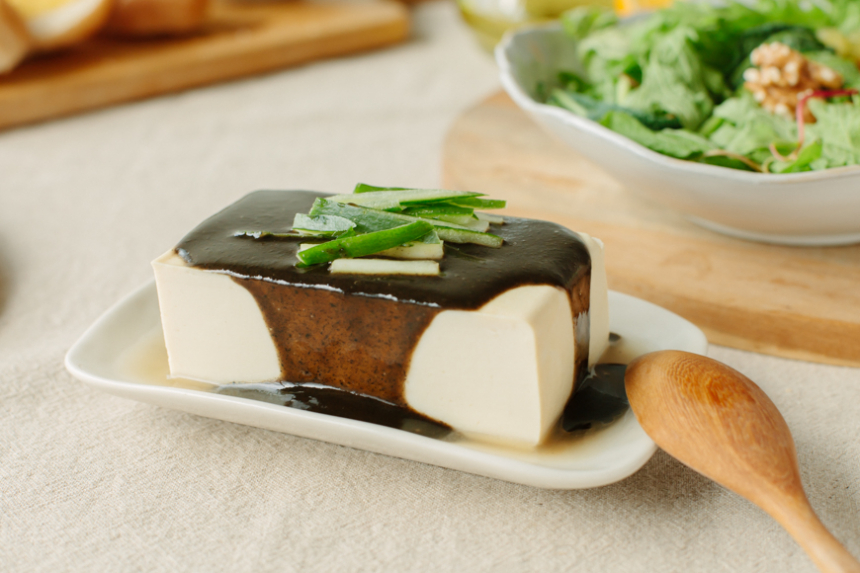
213,327
504,371
487,348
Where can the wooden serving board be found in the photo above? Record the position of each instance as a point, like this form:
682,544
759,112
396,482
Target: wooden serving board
241,38
794,302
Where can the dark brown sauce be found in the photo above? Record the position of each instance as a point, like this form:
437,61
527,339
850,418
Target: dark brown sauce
339,403
357,333
535,252
599,398
355,343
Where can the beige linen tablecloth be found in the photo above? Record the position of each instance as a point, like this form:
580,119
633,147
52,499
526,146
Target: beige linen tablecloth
96,483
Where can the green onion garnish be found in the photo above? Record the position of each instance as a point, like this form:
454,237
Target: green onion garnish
443,212
408,225
323,225
373,220
400,199
264,234
384,267
469,236
364,188
363,245
478,203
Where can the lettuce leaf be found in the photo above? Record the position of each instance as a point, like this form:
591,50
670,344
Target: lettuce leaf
807,156
595,110
673,142
674,81
842,14
838,127
605,56
678,64
747,127
580,22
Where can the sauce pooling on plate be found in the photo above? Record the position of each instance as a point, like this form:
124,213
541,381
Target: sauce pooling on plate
599,399
336,402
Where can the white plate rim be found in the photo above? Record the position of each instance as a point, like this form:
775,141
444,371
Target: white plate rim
92,350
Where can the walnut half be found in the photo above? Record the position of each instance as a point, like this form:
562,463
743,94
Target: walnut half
782,76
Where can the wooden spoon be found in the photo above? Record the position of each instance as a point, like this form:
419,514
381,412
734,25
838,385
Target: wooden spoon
719,423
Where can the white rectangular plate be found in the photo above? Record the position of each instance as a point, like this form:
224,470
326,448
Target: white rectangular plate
123,354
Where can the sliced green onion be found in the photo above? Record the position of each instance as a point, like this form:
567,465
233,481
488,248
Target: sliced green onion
431,238
366,220
469,236
365,188
480,225
363,245
490,218
438,209
384,267
372,220
263,234
464,220
443,212
415,251
398,200
478,203
412,251
323,225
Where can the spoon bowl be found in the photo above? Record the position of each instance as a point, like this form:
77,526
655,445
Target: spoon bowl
718,422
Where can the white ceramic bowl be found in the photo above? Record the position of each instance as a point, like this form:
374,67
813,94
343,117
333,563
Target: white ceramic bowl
812,209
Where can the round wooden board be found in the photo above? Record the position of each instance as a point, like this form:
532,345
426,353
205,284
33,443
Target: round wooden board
801,303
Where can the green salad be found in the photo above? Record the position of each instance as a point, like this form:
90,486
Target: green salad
769,87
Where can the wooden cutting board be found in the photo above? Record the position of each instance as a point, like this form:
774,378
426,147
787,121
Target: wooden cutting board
241,38
794,302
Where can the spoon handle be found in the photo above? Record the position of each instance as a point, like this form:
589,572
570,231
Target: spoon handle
799,519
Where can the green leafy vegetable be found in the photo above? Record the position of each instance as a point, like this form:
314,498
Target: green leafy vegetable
675,81
672,81
674,142
363,245
456,235
384,267
478,203
595,110
399,199
365,188
392,223
838,127
747,127
265,234
367,220
443,212
323,226
580,23
805,158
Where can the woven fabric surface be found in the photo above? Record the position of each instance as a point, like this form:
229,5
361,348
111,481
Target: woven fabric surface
90,482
